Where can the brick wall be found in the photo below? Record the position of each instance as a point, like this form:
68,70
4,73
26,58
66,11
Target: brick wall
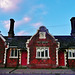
71,63
2,49
42,63
11,62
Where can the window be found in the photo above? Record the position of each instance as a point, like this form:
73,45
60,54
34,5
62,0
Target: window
42,52
71,54
13,53
42,35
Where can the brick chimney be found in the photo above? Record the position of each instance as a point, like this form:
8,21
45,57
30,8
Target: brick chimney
72,26
11,30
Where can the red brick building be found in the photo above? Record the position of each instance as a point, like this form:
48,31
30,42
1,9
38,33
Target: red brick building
41,50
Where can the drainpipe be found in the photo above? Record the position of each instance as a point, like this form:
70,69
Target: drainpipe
18,60
67,58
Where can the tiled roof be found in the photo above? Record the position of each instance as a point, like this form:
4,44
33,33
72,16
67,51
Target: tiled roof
66,41
20,41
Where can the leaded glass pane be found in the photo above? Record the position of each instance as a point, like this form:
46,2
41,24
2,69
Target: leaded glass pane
42,54
15,52
73,54
38,54
46,53
12,52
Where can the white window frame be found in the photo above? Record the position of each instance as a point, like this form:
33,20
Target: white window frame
13,53
72,51
44,35
38,49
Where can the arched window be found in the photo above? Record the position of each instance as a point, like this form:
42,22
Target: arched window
42,52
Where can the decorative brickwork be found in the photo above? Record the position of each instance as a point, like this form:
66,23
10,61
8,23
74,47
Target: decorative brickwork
41,62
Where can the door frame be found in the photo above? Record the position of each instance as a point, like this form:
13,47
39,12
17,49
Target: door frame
21,58
64,59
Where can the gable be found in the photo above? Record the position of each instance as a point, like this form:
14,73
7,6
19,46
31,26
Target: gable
37,39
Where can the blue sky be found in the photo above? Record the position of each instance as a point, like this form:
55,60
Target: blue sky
29,15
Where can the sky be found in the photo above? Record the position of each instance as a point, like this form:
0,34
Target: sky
29,15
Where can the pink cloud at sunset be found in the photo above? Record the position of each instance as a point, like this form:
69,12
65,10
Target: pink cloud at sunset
22,33
7,5
36,25
27,19
17,23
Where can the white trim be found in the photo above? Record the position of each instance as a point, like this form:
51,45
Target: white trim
40,37
58,45
57,49
40,52
43,57
48,53
14,53
20,57
56,56
65,58
2,38
13,57
5,53
27,55
67,50
71,57
72,51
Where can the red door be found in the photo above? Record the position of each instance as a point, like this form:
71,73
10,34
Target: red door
24,58
61,59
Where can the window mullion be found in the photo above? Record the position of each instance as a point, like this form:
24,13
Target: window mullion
44,52
17,52
72,53
68,53
48,52
40,54
14,52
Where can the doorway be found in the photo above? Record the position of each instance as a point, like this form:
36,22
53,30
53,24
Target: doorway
24,58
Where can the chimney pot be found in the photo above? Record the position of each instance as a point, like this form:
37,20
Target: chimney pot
72,26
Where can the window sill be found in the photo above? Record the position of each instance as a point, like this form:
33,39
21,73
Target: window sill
13,57
71,57
43,57
42,37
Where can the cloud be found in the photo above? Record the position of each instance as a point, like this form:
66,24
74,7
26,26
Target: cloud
17,23
27,19
22,33
7,5
6,24
36,25
38,9
23,21
38,6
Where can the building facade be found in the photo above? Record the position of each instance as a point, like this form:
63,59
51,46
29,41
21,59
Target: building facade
42,50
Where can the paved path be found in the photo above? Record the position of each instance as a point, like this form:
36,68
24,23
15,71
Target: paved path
37,71
3,71
36,74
